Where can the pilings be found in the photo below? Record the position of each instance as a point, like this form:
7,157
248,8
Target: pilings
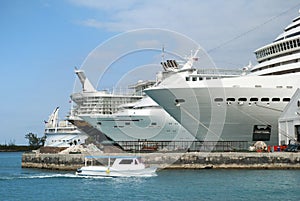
191,160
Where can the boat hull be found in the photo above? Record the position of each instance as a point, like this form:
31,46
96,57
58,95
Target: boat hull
111,172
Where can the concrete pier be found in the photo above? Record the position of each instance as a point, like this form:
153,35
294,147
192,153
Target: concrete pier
191,160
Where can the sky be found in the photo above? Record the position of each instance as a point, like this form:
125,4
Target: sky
41,42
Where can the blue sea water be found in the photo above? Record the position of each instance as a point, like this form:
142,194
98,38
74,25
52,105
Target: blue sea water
35,184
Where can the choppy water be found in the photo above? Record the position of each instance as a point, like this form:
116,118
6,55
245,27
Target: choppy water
33,184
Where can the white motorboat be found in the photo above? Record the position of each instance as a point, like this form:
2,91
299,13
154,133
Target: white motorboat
115,166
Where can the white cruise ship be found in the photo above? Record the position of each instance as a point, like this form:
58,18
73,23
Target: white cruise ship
145,121
90,101
243,108
62,133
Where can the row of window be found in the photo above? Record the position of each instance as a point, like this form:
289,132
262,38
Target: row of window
280,64
200,78
253,99
256,86
73,141
277,48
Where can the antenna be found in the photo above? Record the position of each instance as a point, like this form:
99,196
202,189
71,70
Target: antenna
163,53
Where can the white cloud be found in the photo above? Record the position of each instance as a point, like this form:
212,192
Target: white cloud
104,4
91,23
231,30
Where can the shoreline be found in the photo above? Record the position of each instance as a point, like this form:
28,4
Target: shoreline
16,148
190,160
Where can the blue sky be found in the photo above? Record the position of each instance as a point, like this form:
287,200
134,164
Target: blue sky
41,42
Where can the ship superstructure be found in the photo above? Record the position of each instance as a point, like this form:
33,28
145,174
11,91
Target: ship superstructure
61,133
91,101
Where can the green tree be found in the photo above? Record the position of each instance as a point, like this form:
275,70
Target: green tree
34,140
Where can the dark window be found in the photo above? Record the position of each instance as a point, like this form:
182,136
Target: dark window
194,78
126,161
179,100
153,123
275,99
230,99
261,133
127,123
286,99
218,99
265,99
187,79
242,99
253,99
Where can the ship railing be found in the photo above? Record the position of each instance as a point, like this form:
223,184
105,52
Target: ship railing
183,146
219,71
113,91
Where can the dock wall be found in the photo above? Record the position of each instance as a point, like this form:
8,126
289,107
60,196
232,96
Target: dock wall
191,160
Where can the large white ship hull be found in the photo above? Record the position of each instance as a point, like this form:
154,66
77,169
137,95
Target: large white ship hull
198,106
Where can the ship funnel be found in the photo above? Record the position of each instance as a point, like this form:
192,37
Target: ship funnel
86,84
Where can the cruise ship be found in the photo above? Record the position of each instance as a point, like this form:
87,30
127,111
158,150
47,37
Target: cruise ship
146,121
62,133
89,101
244,108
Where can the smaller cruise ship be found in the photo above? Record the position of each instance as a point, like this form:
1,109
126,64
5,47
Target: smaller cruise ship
90,101
62,133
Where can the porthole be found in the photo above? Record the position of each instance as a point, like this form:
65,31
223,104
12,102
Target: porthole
265,99
242,99
218,99
230,99
179,100
253,99
275,99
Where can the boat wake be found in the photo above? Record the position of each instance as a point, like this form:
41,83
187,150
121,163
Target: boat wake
68,175
37,176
